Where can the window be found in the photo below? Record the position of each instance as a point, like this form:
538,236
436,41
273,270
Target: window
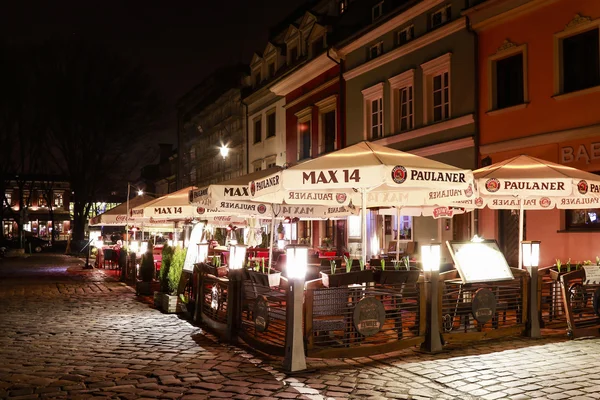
271,124
304,133
329,131
582,219
580,61
373,116
441,16
257,130
330,231
304,130
257,78
26,198
406,35
305,232
271,164
193,176
377,11
327,124
376,122
436,93
509,81
257,165
441,103
375,50
342,6
354,225
293,54
402,88
271,69
8,196
41,202
290,231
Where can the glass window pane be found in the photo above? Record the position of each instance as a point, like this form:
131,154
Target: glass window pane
437,114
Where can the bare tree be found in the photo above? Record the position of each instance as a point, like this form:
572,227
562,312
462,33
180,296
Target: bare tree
97,107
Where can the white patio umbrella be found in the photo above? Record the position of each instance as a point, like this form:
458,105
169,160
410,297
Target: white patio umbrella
529,183
368,175
117,216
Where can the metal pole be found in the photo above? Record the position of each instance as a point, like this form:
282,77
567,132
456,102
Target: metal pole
397,234
271,234
294,341
234,304
521,223
127,216
363,211
433,342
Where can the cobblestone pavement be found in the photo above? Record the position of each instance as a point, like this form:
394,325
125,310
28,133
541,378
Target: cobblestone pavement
71,333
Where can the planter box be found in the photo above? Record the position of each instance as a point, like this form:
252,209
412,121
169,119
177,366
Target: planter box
171,304
395,277
555,275
259,278
347,278
216,271
158,299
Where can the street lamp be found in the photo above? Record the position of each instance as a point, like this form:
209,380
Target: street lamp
531,261
202,252
224,150
296,263
430,258
237,255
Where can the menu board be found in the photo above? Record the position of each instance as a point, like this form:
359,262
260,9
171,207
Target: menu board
479,261
192,250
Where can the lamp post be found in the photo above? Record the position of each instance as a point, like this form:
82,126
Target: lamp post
140,192
430,257
201,258
237,255
531,260
296,266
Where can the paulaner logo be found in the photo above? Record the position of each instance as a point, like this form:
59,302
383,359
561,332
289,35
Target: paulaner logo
399,174
492,185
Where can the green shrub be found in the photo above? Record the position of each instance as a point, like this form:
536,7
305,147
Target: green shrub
147,267
167,258
175,269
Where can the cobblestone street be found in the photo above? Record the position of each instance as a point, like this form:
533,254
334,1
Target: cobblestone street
71,333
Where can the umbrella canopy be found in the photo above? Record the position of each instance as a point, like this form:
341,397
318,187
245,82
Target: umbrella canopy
117,216
529,183
390,177
535,184
173,206
368,175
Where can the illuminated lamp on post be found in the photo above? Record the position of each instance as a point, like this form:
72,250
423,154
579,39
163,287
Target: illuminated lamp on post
237,256
202,252
296,264
531,261
430,258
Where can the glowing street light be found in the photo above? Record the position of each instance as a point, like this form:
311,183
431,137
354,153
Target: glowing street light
224,150
140,192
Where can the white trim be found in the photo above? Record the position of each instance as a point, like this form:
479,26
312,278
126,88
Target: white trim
373,91
311,93
325,106
408,48
446,147
397,83
579,24
427,130
431,69
379,47
541,139
304,74
302,114
390,25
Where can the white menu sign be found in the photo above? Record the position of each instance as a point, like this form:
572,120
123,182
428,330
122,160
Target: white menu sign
592,274
479,262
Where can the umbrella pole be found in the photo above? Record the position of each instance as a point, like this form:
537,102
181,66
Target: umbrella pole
397,234
271,234
363,209
521,223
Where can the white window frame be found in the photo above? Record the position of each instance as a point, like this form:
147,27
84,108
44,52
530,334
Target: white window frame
409,35
378,6
379,47
371,94
270,161
507,49
398,83
441,10
304,116
327,105
432,68
579,24
257,164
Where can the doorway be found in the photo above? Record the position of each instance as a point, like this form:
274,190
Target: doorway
508,234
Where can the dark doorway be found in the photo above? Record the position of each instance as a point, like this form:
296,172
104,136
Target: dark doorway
340,236
461,227
508,234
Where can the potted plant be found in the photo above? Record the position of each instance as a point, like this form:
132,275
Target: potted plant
280,231
215,267
326,242
398,274
147,269
171,302
349,276
264,276
559,269
163,275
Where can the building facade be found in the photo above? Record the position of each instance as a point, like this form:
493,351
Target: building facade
410,85
211,119
539,70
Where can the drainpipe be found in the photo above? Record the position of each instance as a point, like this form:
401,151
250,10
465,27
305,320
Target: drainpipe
342,100
475,228
247,139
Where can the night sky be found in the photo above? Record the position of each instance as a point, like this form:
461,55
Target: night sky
178,42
